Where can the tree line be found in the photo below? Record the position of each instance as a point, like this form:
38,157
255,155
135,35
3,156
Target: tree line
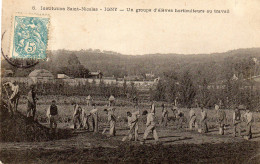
188,92
79,63
97,90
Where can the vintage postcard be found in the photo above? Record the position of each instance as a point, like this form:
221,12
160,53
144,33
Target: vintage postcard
111,81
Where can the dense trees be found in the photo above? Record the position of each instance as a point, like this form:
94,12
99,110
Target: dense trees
74,68
191,79
231,87
210,66
186,89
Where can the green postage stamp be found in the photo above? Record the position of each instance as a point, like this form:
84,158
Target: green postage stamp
29,39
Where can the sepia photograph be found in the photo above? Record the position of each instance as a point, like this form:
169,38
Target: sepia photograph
108,81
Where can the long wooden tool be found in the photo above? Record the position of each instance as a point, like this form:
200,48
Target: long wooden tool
130,131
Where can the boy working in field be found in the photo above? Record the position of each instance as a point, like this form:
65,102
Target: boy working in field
84,118
203,122
31,103
192,121
133,124
249,121
14,98
111,100
179,115
94,118
77,115
150,125
89,100
135,101
164,119
237,122
52,114
111,118
221,116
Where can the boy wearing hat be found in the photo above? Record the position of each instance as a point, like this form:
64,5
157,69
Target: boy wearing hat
111,100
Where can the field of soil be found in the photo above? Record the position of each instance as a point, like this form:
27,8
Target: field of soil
177,144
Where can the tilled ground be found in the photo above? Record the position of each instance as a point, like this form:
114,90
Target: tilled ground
243,152
176,146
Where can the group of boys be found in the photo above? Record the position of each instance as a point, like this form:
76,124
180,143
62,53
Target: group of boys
14,98
81,118
133,119
222,121
237,120
203,121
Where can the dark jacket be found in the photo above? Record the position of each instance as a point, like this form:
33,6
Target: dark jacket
53,110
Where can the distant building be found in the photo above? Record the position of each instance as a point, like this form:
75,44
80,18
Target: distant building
149,75
133,78
62,76
253,82
96,75
109,80
41,75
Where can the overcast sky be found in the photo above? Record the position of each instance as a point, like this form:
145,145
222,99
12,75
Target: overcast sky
144,33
